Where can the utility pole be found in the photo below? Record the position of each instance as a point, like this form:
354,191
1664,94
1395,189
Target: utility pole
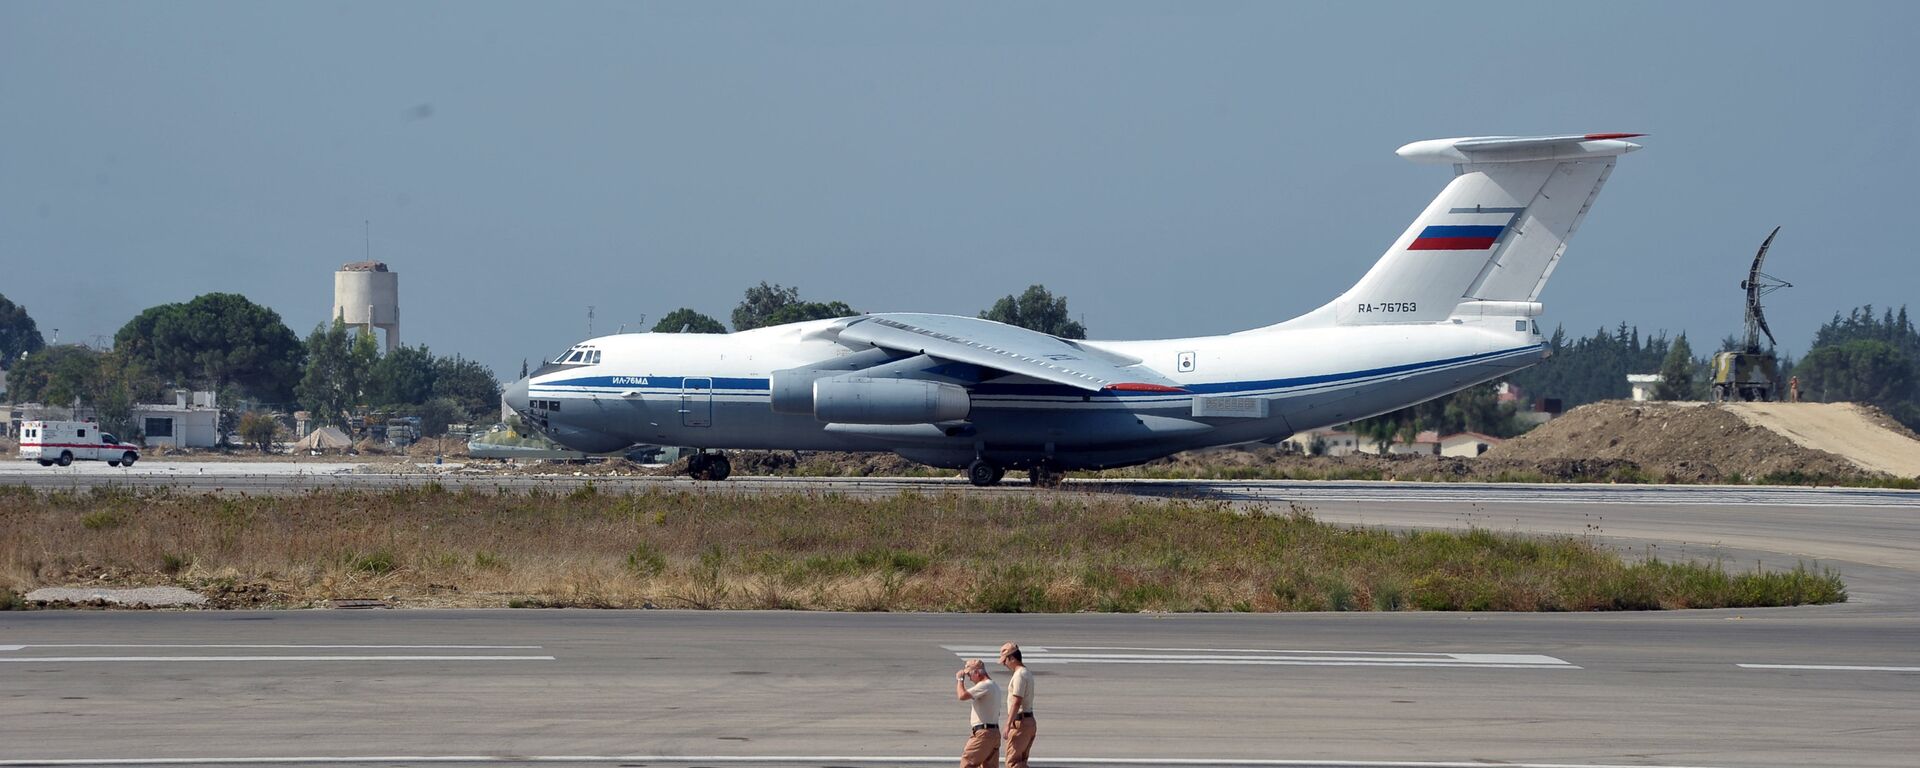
589,321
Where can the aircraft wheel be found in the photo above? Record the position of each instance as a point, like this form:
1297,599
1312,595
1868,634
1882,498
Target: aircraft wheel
697,466
66,458
113,462
127,460
719,468
984,473
1044,476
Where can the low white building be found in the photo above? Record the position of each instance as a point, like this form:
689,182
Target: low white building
192,420
1467,444
1332,442
1643,385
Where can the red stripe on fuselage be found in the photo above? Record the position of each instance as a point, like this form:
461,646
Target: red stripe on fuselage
1451,244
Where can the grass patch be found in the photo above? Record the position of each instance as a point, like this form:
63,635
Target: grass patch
376,563
102,520
1797,477
713,549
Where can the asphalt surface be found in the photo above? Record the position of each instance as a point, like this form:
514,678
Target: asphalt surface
1831,685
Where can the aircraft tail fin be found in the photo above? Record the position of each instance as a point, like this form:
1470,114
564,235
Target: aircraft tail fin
1493,235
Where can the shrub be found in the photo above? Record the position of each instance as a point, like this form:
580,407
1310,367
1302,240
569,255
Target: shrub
102,519
378,563
646,560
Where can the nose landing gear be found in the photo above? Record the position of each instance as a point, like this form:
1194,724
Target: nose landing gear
709,466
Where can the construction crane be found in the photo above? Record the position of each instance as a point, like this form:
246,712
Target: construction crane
1751,373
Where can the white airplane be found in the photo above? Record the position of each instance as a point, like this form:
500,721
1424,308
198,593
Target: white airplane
1451,304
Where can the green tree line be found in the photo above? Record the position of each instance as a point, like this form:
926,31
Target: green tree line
768,304
245,352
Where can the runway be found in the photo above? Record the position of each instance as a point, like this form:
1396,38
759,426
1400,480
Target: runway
1834,685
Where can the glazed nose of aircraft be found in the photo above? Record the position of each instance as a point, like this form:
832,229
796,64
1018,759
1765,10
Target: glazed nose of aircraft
516,395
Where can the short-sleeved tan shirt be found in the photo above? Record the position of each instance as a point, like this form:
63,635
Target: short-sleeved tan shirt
985,701
1020,685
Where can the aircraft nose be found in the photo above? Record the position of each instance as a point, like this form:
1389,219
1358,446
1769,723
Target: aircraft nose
516,395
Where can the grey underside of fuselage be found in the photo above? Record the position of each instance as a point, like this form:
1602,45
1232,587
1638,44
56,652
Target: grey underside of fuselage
1089,430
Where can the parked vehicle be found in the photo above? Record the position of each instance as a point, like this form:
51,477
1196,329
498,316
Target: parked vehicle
64,442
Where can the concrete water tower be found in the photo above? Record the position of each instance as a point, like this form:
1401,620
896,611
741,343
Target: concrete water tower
367,294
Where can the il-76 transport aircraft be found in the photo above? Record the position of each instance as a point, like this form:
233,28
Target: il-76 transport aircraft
1450,305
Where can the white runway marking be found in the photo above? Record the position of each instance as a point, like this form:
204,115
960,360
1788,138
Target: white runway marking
232,645
807,759
1255,657
79,659
241,646
1830,667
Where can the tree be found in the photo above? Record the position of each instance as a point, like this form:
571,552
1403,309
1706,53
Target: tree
760,303
108,382
57,375
684,320
119,382
1861,371
18,334
258,429
402,377
336,372
1676,372
1585,370
1866,359
437,413
469,385
215,340
801,311
1037,309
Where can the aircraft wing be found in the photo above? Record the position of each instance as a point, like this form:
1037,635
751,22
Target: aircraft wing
1008,348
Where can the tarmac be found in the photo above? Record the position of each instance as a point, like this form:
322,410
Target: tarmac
1828,685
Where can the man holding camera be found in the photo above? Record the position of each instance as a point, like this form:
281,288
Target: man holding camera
973,686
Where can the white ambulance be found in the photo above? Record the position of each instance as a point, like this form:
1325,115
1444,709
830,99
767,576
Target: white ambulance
64,442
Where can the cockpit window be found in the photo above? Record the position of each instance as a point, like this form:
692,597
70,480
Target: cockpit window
577,356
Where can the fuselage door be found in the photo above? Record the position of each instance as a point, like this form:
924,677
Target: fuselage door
696,402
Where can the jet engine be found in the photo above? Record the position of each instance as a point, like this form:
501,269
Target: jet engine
857,400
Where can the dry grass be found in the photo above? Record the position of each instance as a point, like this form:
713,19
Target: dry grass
715,549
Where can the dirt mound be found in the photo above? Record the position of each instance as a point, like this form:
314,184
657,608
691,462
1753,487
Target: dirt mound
1688,442
1862,434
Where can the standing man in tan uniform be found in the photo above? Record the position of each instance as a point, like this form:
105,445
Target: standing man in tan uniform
1021,726
972,685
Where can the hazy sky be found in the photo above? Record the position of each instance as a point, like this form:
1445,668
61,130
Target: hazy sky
1173,168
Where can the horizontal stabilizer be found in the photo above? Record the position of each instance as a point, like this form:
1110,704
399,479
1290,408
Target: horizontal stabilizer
1518,149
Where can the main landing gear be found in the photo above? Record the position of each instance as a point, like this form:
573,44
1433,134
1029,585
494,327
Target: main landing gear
984,473
1046,476
709,466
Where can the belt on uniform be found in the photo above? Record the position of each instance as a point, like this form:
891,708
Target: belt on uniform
1024,716
984,726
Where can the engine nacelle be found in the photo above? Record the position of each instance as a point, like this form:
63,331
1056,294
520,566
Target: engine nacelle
855,400
792,391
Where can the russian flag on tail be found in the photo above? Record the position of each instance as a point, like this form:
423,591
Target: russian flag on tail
1456,238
